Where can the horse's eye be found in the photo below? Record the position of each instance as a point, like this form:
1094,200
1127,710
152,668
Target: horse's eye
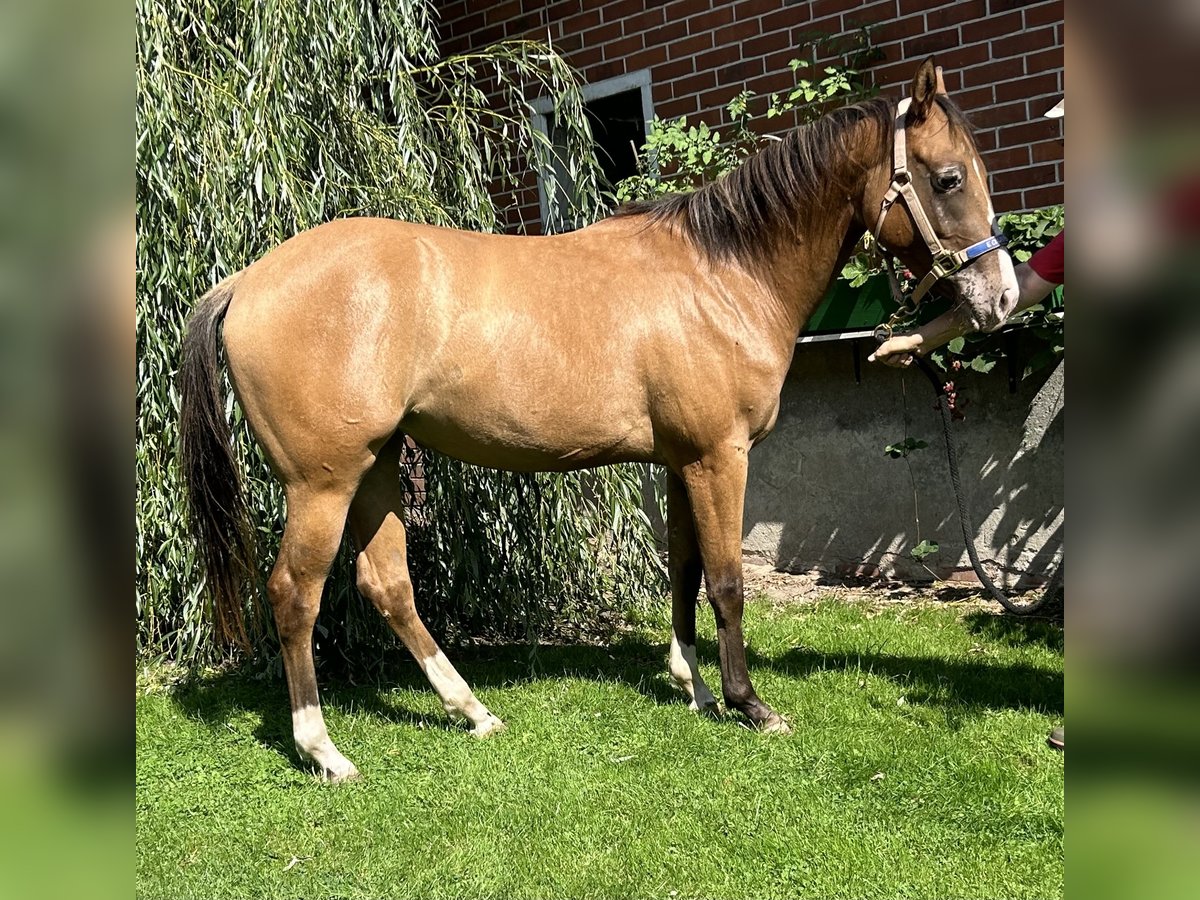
947,180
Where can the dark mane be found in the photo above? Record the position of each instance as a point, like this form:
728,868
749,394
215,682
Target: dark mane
769,198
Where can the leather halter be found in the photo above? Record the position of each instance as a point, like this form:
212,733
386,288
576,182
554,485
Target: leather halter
945,262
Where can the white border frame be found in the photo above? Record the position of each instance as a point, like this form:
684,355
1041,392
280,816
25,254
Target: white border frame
543,106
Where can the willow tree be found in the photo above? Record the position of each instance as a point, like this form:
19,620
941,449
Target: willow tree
256,120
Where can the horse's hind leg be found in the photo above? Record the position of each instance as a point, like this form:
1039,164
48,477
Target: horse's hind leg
683,562
376,520
315,521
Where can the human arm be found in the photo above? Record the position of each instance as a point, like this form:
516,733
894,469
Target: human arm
1035,280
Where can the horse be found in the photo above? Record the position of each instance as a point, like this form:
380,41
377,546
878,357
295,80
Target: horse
660,334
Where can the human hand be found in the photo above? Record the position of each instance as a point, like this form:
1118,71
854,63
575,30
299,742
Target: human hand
898,350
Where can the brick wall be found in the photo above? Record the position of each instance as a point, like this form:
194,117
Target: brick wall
1003,60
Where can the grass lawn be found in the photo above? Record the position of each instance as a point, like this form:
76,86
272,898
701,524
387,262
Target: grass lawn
917,768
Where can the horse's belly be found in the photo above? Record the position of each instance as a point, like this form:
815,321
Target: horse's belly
537,442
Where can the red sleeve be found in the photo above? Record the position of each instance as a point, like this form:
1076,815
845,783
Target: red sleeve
1048,262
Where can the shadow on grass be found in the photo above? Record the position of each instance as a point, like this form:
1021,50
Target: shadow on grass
1015,631
968,687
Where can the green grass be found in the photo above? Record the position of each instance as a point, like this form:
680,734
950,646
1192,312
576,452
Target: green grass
606,785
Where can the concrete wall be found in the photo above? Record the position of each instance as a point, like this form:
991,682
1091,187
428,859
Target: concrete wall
822,494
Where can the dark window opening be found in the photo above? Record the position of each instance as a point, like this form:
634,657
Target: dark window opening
619,130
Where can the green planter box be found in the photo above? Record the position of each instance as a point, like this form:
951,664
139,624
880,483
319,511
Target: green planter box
852,309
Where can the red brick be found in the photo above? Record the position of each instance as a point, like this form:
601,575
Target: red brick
975,98
619,9
958,58
991,27
740,72
1025,42
867,15
956,13
787,18
1008,201
469,23
647,59
667,32
1030,86
1044,14
998,6
1006,158
681,9
1044,61
1031,176
773,82
713,59
646,21
736,33
1047,151
602,34
609,69
716,99
586,57
752,9
1051,195
694,85
711,20
502,12
832,7
580,22
931,42
689,46
896,29
985,139
679,106
1029,132
1004,114
675,69
624,47
768,43
992,72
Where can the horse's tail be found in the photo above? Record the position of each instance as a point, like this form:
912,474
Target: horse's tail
216,508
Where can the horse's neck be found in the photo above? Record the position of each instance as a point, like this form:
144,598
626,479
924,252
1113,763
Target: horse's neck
799,276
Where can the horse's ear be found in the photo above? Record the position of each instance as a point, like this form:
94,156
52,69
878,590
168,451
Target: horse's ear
941,82
924,88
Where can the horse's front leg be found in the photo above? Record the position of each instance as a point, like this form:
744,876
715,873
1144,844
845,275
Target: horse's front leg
683,563
716,488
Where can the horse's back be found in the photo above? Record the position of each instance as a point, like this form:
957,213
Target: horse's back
508,351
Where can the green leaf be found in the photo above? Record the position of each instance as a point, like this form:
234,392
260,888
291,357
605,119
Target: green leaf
923,550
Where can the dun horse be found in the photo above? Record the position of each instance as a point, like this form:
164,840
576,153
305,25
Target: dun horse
660,334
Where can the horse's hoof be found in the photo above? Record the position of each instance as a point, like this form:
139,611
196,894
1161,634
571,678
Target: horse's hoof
774,724
341,774
489,726
711,709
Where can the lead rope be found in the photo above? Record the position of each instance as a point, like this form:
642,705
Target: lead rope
964,512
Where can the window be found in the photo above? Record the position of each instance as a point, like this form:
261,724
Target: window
619,111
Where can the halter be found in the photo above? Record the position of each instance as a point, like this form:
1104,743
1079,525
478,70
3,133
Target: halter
945,262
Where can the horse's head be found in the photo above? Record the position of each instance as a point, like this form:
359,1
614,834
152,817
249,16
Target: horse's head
941,226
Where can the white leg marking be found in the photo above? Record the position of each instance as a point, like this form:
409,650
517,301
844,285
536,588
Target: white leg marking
685,672
457,698
313,744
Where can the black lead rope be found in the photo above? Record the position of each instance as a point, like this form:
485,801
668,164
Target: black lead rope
964,512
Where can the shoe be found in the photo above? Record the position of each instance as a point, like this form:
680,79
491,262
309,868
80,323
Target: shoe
1055,738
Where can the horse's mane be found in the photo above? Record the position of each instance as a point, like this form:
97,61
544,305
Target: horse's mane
746,213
